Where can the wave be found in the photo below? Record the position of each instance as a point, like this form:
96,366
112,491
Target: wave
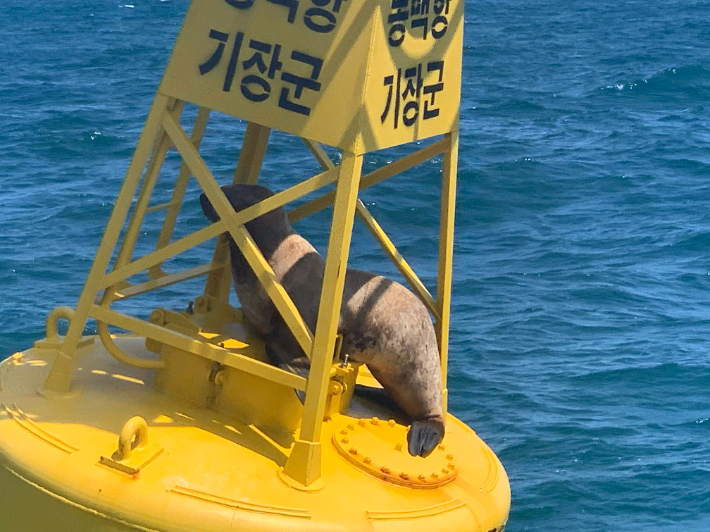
668,374
685,81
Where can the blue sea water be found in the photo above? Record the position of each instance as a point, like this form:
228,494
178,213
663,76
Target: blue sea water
582,263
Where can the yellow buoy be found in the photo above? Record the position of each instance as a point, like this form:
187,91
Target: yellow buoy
120,455
181,423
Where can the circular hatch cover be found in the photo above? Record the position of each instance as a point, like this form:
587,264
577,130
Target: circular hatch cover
379,448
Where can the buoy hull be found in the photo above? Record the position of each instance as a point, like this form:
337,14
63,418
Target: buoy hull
201,470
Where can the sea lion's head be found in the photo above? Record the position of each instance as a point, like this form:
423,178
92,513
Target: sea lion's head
268,229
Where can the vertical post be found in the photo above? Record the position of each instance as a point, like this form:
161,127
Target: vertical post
59,379
178,194
161,146
256,140
304,463
251,157
446,253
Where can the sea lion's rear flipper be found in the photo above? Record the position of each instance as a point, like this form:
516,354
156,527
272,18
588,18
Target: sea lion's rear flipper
424,436
301,372
299,366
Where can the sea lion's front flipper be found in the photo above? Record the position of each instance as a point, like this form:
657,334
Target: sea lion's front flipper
424,436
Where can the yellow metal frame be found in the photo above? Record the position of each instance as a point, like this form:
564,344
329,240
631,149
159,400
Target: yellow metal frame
163,131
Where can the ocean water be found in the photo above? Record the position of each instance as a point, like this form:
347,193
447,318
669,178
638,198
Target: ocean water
582,263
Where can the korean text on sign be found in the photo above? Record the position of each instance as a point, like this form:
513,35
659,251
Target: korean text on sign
405,92
256,65
420,17
319,16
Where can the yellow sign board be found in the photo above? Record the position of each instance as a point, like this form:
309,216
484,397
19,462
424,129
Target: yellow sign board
359,75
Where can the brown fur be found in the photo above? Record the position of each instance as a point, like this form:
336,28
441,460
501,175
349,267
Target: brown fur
383,324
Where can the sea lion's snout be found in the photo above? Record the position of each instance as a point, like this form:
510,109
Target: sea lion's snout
239,196
424,436
208,209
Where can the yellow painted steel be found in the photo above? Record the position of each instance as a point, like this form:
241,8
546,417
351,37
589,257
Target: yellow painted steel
184,424
166,280
304,464
446,254
251,157
252,154
374,177
59,379
402,265
199,449
158,256
360,76
173,207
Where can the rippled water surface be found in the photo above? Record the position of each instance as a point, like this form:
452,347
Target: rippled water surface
582,275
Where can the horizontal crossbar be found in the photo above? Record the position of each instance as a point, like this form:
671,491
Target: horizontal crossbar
198,347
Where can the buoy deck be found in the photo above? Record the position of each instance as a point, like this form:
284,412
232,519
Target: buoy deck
202,470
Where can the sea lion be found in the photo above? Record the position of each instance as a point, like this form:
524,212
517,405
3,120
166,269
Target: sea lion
384,325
